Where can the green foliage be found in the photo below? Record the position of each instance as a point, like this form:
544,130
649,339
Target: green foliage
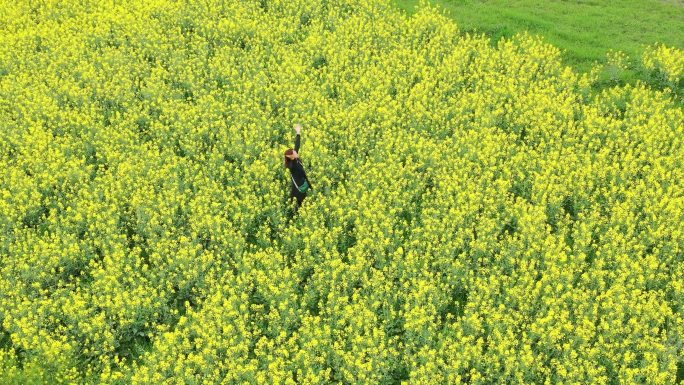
585,30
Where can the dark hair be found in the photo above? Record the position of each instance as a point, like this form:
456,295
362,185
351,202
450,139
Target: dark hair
289,151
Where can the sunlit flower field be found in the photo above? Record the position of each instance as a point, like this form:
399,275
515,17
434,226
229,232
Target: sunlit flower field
479,214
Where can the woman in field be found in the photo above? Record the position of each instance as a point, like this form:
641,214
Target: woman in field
300,183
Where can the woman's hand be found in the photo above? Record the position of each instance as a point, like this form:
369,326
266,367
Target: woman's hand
298,128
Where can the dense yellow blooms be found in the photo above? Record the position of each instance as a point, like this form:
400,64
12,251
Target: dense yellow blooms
668,61
478,215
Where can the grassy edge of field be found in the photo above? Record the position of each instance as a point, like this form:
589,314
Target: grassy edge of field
601,37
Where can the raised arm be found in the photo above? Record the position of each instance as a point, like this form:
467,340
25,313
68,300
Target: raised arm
298,129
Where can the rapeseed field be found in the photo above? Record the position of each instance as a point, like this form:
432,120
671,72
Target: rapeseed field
479,215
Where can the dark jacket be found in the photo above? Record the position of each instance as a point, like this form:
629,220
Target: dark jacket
297,168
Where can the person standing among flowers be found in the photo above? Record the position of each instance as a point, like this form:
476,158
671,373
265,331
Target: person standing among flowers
300,183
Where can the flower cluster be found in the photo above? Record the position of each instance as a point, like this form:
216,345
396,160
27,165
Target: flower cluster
668,61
